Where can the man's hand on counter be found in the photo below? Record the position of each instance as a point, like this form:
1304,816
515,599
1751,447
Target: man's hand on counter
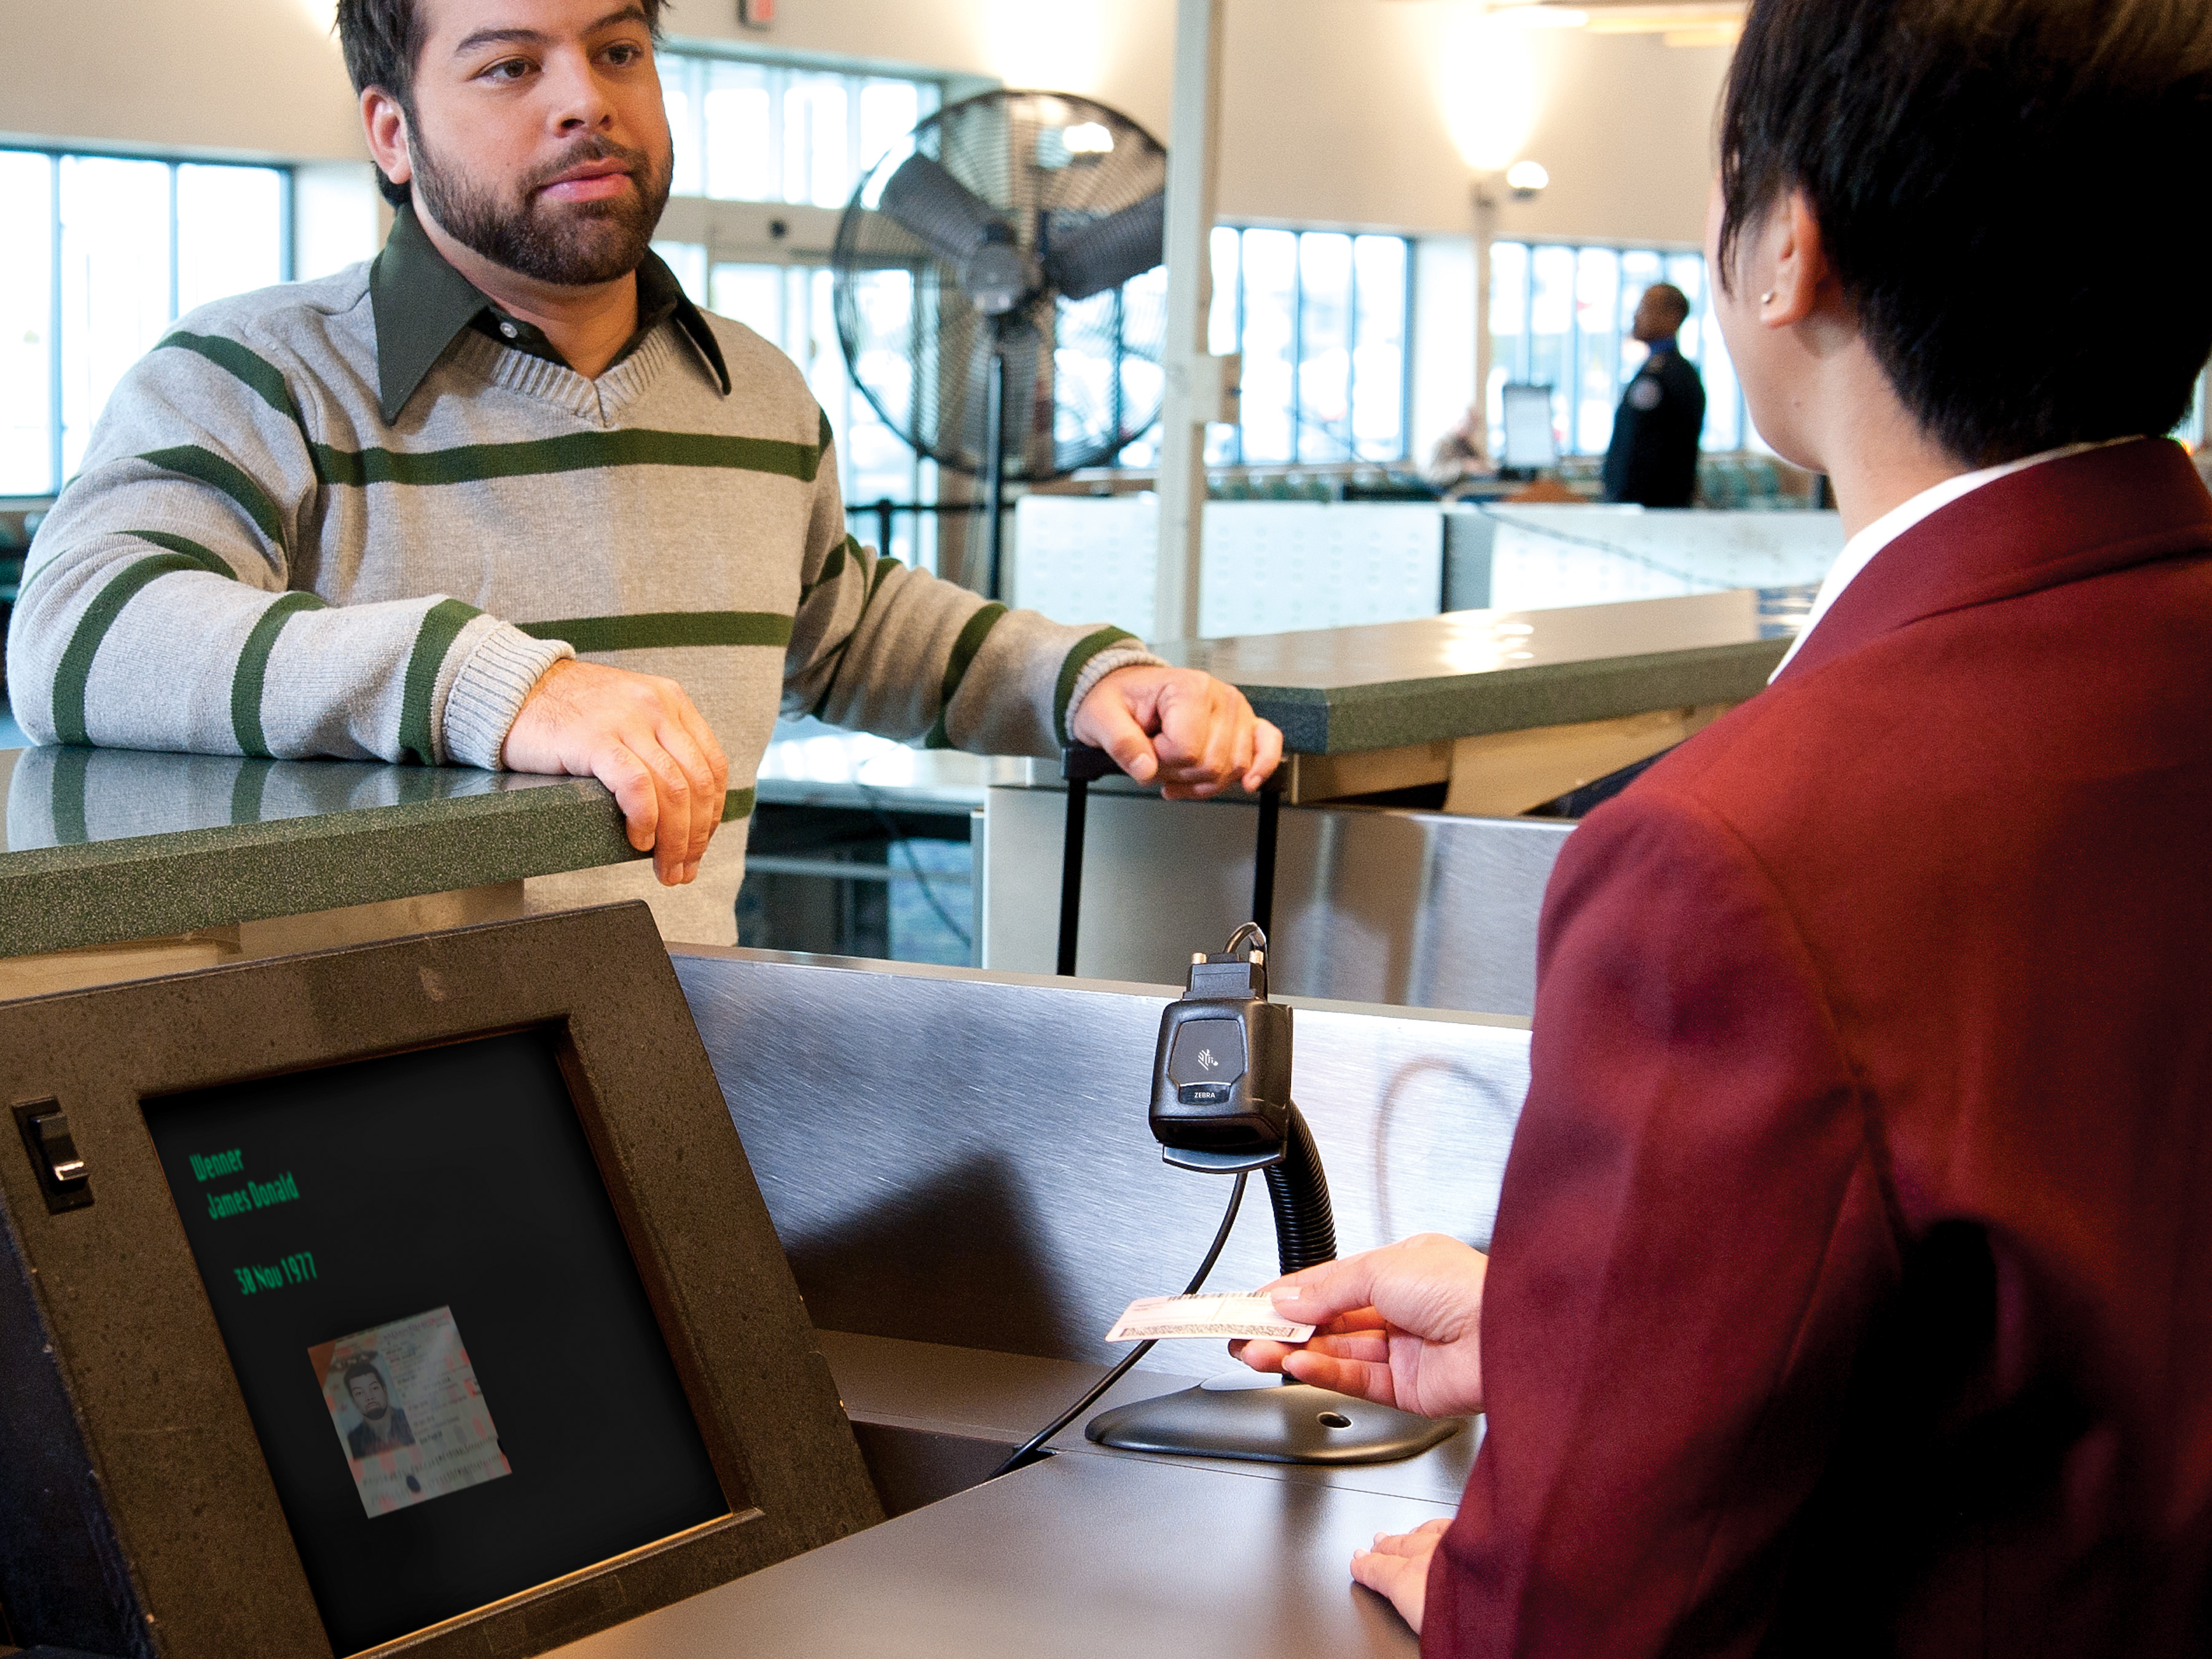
1187,730
639,735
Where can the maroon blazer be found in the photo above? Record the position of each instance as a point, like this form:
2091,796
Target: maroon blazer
1852,1283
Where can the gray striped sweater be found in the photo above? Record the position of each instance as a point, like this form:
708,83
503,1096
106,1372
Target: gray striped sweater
253,562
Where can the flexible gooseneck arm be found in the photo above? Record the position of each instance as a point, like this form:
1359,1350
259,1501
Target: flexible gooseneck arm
1305,1226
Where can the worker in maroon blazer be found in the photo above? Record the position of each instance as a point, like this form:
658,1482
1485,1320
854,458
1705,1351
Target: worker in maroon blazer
1852,1284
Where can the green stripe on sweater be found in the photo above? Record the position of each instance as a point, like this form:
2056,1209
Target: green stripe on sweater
575,452
74,671
832,568
208,560
956,669
738,803
259,375
441,626
1072,671
252,671
655,630
212,470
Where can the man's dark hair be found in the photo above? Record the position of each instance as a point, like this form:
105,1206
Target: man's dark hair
1676,302
359,1368
2013,194
383,39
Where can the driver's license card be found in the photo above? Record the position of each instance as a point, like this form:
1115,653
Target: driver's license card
1171,1318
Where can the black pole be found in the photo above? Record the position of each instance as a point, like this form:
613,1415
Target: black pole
1263,855
1081,765
884,525
994,470
1071,875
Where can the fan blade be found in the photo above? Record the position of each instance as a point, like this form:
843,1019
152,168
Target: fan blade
924,198
1106,252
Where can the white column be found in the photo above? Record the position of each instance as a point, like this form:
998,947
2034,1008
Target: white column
1193,395
1486,233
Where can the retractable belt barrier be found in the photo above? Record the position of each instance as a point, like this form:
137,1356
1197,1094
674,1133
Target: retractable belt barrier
1081,765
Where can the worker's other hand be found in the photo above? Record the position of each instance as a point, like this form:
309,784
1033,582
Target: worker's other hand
1398,1567
1402,1326
1184,730
639,735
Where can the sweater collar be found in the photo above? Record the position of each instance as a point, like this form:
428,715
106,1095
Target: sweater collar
2063,520
421,303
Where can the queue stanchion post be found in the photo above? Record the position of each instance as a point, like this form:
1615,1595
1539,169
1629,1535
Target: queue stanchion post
1080,765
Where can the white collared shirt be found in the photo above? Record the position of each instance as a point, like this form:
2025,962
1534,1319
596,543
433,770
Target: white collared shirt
1859,551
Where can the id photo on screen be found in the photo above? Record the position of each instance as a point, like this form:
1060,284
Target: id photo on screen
404,1401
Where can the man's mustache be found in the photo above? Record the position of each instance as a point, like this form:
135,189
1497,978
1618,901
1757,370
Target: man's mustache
586,150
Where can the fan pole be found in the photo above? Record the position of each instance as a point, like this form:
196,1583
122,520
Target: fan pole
994,465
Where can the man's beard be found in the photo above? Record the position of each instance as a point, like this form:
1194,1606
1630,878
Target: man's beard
563,244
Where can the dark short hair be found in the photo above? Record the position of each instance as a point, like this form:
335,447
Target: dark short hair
2013,193
1674,300
359,1368
382,40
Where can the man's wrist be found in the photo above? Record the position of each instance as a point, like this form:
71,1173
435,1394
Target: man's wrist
1112,661
494,680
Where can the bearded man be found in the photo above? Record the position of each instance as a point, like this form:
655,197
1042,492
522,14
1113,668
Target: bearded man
504,496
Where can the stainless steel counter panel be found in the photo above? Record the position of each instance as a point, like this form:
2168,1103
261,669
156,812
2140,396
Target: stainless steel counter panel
961,1158
1420,909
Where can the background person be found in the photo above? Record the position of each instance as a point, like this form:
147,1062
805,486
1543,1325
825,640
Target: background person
505,497
1653,458
1847,1290
1461,455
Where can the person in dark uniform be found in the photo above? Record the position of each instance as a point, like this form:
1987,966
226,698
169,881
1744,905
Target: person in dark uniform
1653,461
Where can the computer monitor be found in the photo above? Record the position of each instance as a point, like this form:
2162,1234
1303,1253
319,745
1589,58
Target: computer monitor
1532,442
415,1293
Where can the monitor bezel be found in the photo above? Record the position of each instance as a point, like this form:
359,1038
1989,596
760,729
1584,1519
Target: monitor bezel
189,1506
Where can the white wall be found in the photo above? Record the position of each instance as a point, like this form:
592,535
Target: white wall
1346,111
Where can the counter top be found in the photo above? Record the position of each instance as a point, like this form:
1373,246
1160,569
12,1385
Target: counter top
1092,1553
1468,672
102,845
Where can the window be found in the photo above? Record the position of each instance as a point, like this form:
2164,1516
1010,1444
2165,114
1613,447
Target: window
1560,316
1320,318
105,252
748,131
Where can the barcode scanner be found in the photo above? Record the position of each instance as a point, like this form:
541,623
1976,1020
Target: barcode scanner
1221,1095
1221,1105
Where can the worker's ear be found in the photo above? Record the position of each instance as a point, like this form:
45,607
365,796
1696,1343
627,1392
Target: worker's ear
1790,263
385,124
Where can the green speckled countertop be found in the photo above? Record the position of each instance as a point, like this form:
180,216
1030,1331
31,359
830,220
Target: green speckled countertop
1469,672
109,844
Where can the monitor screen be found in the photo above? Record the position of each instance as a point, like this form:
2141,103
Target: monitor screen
458,1382
1531,441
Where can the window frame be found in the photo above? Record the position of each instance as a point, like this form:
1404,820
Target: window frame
55,154
1235,455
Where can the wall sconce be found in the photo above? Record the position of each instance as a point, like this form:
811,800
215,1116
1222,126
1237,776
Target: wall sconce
1526,179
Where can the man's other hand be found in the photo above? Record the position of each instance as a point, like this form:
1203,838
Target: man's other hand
1401,1325
1398,1567
1187,730
639,735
